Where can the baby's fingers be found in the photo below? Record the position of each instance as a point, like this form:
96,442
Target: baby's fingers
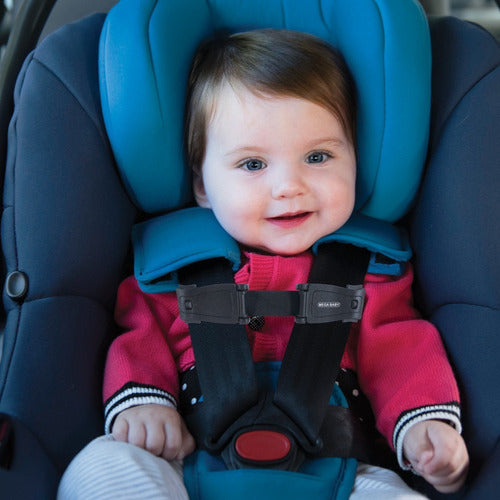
137,435
120,430
448,468
179,442
129,431
173,437
155,439
447,480
188,442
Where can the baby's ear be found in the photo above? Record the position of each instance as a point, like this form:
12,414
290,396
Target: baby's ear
200,194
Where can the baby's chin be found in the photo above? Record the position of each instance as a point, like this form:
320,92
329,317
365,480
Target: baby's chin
285,251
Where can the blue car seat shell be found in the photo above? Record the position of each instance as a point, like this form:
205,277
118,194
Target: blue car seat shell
454,230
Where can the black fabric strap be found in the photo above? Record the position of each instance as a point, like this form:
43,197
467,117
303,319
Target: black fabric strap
223,358
264,303
312,358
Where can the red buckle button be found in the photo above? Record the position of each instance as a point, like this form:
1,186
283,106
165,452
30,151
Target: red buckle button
262,446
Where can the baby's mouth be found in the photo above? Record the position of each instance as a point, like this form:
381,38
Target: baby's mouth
290,219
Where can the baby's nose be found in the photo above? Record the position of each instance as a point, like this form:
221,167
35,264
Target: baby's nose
288,183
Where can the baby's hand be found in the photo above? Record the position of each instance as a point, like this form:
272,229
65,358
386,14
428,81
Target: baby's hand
437,452
156,428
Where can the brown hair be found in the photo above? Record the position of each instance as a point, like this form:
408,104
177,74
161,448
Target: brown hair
267,62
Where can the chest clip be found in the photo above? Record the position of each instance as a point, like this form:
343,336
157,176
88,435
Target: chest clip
236,304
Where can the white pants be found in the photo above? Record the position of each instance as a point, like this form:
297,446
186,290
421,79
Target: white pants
107,469
376,483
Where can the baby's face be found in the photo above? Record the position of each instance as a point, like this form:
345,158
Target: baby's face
279,173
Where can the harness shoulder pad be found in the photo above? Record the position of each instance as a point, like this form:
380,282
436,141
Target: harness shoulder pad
164,244
389,244
167,243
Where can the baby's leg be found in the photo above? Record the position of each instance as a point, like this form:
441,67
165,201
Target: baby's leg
375,483
109,469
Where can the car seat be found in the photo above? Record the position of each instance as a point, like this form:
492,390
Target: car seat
67,220
454,235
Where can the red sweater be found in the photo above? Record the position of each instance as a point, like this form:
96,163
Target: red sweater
399,358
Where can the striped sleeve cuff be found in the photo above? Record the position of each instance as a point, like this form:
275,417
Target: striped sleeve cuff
449,412
133,394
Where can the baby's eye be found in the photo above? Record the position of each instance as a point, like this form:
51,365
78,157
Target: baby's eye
317,157
253,165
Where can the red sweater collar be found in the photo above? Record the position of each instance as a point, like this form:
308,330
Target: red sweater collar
273,272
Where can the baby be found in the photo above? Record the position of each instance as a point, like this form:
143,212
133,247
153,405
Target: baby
271,143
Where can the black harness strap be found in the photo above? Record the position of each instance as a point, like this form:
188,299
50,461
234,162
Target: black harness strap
223,358
266,303
312,358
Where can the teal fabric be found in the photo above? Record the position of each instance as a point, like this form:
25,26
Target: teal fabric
375,235
329,478
145,52
322,479
165,244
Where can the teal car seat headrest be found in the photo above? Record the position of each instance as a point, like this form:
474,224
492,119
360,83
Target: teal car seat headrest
146,50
